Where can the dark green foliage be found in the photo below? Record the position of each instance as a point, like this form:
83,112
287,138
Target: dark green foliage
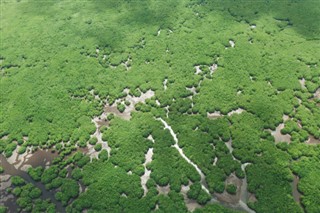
44,206
103,155
56,183
215,180
110,116
35,173
28,199
267,176
93,141
139,170
122,135
22,150
17,181
121,107
231,189
49,174
309,171
3,209
69,189
226,163
76,174
194,191
127,103
81,159
16,191
63,173
198,194
58,78
103,177
9,149
98,147
203,197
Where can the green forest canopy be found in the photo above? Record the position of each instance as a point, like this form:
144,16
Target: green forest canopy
58,56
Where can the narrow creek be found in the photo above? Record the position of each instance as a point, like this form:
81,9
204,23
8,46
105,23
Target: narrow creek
244,191
295,192
145,177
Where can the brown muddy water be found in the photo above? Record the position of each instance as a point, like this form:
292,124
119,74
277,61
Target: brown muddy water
39,158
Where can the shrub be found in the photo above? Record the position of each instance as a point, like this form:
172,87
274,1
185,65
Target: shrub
121,107
93,141
231,189
76,174
3,209
103,155
35,173
22,150
110,116
17,181
98,147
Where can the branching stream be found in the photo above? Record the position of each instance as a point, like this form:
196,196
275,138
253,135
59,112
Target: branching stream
242,202
176,145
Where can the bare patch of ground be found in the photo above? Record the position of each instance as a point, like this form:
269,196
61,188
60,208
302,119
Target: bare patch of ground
313,140
217,114
127,64
214,115
278,137
198,70
295,193
213,68
5,137
232,43
192,89
252,198
163,189
150,138
229,198
230,148
237,111
302,83
145,177
165,84
317,94
285,118
29,158
215,161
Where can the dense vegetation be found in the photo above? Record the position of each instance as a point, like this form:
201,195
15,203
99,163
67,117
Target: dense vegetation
63,61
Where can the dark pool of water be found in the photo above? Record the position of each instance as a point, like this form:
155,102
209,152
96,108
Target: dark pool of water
38,158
